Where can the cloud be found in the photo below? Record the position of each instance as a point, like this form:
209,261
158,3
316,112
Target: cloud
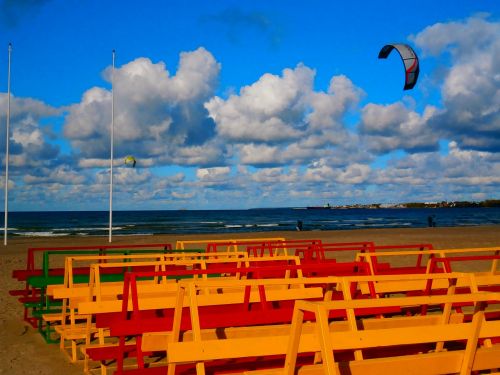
182,196
329,108
282,119
354,174
29,144
275,176
461,38
459,175
270,110
296,153
278,141
390,127
350,174
212,174
260,155
131,176
157,116
471,87
62,175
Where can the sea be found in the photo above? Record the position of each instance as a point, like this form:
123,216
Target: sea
130,223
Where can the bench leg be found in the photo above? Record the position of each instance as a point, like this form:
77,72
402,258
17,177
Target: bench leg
293,344
470,348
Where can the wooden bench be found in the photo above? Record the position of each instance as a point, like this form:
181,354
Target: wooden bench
315,251
164,303
31,294
421,256
215,302
42,303
231,244
105,297
76,279
99,288
32,270
324,252
141,324
490,261
386,267
485,281
271,248
248,344
453,347
412,286
331,250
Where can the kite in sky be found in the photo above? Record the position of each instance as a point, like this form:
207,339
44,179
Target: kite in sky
410,61
130,160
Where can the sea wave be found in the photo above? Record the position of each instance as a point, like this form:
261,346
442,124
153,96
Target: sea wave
397,224
267,225
88,229
52,224
40,234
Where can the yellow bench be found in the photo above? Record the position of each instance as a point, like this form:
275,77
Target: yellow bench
438,361
232,244
72,294
256,341
370,257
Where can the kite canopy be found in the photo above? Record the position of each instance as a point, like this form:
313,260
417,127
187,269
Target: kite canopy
410,61
130,160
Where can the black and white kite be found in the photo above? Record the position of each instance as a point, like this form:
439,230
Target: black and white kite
410,61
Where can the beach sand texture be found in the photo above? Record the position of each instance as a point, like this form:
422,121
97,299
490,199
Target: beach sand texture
23,351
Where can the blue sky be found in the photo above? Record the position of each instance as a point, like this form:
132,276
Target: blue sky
238,104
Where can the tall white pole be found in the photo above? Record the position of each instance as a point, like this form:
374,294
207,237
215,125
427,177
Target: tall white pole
111,157
6,208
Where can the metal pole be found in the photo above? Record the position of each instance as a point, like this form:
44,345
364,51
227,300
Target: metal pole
6,208
111,157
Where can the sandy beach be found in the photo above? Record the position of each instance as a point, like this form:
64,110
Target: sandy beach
23,351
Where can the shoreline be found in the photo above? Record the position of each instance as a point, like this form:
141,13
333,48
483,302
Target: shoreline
438,236
23,351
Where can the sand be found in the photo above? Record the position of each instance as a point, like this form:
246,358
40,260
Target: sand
23,351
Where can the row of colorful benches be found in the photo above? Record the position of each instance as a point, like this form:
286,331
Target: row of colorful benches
91,287
150,310
37,278
33,295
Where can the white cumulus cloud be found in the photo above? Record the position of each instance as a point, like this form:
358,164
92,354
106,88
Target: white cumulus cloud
157,115
471,88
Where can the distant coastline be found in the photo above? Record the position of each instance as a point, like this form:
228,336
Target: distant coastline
442,204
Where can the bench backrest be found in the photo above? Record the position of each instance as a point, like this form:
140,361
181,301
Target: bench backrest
355,339
447,262
233,244
199,350
373,258
103,249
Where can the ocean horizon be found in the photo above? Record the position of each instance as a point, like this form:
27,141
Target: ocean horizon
130,223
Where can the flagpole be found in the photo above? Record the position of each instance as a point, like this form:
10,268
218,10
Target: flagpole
111,157
6,190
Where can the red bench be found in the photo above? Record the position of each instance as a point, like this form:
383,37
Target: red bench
134,322
264,247
30,294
